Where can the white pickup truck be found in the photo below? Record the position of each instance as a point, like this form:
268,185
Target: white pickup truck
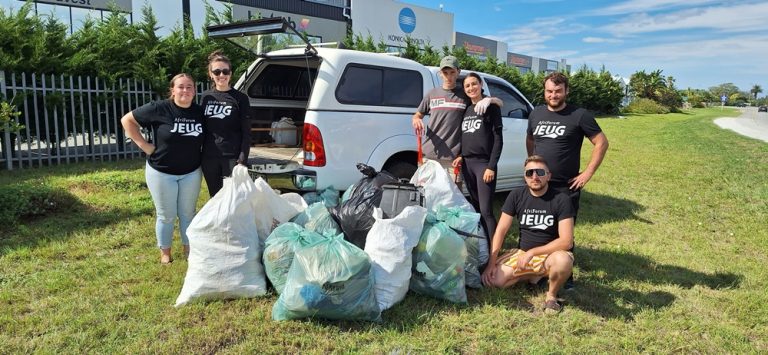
347,107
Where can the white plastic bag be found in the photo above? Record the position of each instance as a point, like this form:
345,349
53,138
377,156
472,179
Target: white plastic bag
295,200
225,253
271,209
284,135
439,189
390,244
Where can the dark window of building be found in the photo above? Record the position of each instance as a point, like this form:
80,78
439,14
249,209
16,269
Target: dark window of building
283,82
379,86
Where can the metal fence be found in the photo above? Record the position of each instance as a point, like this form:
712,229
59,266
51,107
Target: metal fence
69,119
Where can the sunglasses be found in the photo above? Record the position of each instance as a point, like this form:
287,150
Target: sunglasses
218,72
539,172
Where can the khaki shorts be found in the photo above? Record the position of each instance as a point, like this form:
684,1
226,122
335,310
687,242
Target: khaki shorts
535,267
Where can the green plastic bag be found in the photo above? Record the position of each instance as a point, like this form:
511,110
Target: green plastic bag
330,279
317,218
279,251
438,264
458,218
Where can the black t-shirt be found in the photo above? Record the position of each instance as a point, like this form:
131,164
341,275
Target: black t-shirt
557,137
481,136
227,124
178,135
538,216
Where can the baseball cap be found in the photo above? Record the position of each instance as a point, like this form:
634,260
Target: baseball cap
449,61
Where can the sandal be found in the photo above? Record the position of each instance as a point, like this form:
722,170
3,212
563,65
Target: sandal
552,307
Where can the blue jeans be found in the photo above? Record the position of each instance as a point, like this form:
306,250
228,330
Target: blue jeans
174,196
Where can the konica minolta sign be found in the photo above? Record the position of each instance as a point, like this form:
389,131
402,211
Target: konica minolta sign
392,22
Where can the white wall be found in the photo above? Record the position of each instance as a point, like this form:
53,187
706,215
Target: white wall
382,20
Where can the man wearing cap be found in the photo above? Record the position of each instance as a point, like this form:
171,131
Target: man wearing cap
445,106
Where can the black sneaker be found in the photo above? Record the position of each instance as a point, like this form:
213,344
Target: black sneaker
569,285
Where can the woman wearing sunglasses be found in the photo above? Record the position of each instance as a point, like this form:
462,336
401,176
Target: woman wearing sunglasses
481,141
227,124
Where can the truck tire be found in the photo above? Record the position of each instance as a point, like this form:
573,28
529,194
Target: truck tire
401,169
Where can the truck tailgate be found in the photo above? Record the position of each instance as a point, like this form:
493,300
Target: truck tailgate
275,155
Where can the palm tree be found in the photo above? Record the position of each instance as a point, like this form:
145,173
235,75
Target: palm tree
648,85
756,89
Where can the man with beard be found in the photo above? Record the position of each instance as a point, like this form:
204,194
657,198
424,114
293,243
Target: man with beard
556,132
546,236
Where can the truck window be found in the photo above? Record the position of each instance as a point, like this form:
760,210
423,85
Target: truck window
379,86
283,82
514,106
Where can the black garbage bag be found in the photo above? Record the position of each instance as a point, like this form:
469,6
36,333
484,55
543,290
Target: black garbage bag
355,215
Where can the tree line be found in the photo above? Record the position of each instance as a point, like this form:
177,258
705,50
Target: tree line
112,48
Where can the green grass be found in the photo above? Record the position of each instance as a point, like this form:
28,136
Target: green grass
671,254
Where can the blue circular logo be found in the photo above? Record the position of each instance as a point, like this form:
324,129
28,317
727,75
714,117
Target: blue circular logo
407,20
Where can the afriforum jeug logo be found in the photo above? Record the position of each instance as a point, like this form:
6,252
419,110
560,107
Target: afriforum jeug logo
407,20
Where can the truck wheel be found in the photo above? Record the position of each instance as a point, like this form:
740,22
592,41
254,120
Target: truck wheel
401,169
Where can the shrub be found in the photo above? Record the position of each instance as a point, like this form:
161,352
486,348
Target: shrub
645,106
26,200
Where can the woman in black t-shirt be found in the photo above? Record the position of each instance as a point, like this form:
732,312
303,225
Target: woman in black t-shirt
227,124
481,141
173,159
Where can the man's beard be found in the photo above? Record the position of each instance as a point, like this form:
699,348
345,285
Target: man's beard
560,103
541,187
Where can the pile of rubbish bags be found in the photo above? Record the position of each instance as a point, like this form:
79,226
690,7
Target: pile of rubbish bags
334,258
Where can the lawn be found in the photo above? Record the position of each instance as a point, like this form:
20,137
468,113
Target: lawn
671,254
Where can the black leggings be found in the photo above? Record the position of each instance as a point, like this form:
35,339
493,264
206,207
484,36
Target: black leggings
480,192
214,171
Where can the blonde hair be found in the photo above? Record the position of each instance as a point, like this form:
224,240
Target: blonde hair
173,82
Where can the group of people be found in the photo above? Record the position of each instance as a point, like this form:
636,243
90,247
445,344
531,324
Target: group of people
465,130
190,141
194,141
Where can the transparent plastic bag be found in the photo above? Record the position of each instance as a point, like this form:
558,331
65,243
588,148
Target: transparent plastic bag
280,248
438,264
468,222
318,219
330,279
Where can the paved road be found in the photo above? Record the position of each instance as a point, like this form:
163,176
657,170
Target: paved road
751,123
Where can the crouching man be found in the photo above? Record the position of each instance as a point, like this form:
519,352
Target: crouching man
546,236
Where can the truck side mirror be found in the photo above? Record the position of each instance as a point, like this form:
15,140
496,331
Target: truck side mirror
517,113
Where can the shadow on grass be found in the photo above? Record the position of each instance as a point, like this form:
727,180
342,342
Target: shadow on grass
58,215
598,209
601,296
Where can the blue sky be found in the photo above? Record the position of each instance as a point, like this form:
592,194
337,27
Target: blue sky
701,43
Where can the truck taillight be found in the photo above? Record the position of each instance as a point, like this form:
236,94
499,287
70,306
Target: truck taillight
314,152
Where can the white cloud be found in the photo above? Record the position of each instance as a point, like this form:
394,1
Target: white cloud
600,40
741,18
530,39
693,62
634,6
